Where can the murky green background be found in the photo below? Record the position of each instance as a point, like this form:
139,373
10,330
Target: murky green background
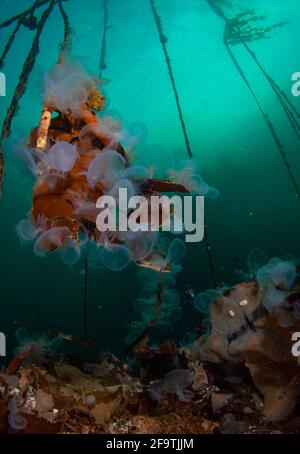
257,205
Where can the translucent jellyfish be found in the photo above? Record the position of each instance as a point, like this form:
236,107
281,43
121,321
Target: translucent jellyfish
89,401
149,313
171,298
67,87
123,184
15,419
203,301
50,240
274,299
277,274
176,251
140,244
212,193
142,304
70,252
49,183
136,133
137,172
25,157
196,185
105,167
26,230
112,119
61,156
256,260
173,314
284,275
116,257
86,209
99,131
94,257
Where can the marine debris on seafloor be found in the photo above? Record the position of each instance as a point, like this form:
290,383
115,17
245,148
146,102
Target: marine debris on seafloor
242,378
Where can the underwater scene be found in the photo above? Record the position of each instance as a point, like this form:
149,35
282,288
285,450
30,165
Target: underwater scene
150,212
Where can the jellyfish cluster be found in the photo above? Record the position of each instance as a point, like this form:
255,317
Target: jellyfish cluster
74,171
158,304
67,87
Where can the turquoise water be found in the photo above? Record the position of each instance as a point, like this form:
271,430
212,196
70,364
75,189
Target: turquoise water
257,207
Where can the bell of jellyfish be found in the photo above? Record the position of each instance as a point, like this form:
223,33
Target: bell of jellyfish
212,193
196,185
171,298
202,302
137,172
26,230
135,134
112,119
50,240
284,275
140,244
94,256
274,299
116,257
174,314
61,156
70,252
256,260
176,251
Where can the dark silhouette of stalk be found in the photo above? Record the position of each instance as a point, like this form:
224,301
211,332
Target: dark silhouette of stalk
106,27
66,44
290,110
10,42
22,84
163,40
85,300
13,19
267,121
286,104
13,35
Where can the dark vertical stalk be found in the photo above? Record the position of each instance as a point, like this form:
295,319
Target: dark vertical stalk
163,40
13,19
106,27
85,301
267,120
22,84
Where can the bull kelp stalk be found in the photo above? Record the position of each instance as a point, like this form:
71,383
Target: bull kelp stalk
10,41
22,84
66,44
85,300
28,14
163,40
106,27
278,91
30,10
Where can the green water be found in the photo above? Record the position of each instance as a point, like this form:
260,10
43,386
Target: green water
257,207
